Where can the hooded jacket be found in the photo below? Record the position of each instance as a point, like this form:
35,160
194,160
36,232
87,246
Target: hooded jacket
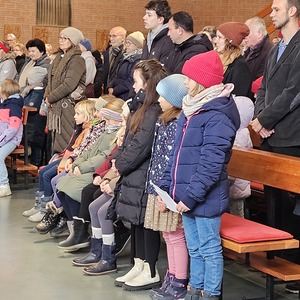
194,45
11,127
197,170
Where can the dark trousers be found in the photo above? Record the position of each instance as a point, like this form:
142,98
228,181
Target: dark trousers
147,245
281,205
88,195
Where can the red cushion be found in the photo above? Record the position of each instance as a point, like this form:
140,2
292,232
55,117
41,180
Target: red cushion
245,231
257,186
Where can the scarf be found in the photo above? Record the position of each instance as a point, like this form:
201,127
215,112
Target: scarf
152,35
57,69
193,104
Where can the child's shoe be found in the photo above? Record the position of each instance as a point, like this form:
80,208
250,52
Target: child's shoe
166,282
35,209
5,190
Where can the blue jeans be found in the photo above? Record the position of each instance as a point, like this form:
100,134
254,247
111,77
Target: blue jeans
45,176
205,250
5,150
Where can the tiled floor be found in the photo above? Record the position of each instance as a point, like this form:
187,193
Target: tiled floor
33,268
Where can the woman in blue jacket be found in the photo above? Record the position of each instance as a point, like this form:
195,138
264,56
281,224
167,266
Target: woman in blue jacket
196,177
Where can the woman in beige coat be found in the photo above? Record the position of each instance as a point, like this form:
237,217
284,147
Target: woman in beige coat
65,87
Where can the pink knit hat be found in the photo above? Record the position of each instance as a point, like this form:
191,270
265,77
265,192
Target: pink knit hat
205,68
234,32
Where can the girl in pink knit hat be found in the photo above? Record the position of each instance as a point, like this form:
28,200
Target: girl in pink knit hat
196,176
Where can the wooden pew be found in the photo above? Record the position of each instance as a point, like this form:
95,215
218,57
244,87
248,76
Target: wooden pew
22,165
278,171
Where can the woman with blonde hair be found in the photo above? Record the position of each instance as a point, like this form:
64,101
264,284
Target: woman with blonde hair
229,37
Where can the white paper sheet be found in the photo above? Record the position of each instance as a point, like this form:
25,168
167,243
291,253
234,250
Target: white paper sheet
171,204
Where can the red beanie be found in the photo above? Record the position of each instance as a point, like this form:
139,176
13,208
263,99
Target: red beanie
4,48
234,32
205,68
256,85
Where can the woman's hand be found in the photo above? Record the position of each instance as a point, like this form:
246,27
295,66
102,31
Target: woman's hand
161,205
97,180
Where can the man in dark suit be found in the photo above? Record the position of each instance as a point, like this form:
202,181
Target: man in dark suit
277,111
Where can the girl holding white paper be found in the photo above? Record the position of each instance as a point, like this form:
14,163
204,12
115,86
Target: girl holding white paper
158,217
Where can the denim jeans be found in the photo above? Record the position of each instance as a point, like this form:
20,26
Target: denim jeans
205,250
45,176
5,150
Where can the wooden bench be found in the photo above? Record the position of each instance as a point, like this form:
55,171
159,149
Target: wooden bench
22,165
278,171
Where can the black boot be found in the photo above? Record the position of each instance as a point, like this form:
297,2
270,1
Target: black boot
61,228
92,257
48,222
81,238
122,236
193,294
106,265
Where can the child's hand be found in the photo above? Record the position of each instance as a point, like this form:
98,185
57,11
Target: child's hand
181,207
76,171
97,180
161,205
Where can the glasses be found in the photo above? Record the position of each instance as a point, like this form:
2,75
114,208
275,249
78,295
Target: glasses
128,43
114,35
9,40
63,38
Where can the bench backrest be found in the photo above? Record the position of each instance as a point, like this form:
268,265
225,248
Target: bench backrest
272,169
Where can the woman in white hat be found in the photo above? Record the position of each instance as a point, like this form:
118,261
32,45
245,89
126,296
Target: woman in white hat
121,84
65,87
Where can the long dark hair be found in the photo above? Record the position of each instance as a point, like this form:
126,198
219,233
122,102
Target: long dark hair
151,72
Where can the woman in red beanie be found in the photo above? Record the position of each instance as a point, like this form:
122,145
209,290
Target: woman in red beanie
196,176
228,40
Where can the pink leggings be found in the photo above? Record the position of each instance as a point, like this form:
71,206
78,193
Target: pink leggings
177,253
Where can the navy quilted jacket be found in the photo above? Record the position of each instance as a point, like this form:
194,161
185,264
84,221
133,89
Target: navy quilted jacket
197,171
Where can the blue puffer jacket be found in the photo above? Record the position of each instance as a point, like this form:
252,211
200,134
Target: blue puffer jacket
197,171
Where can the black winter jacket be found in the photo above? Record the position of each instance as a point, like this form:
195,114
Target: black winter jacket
132,163
194,45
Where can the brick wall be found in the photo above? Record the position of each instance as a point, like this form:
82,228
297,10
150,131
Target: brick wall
92,15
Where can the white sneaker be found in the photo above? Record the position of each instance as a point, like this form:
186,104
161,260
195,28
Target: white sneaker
36,217
5,190
32,211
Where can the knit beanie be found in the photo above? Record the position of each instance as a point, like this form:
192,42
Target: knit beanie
3,47
136,38
234,32
205,68
73,34
86,44
172,89
99,103
36,76
111,115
